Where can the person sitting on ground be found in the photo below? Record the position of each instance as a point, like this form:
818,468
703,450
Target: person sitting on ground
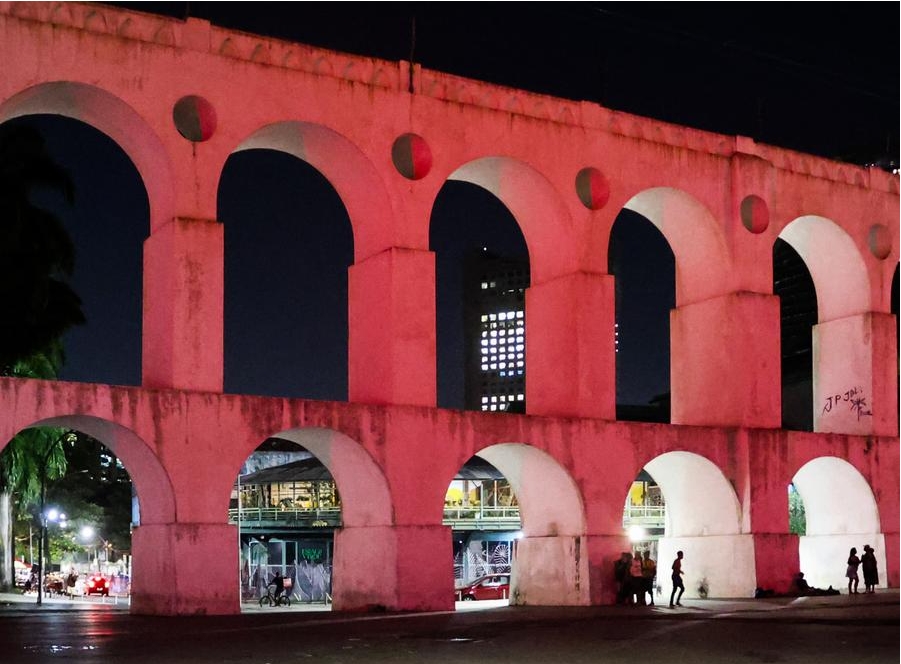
800,588
799,585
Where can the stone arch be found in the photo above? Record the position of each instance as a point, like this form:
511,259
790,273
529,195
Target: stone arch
841,512
156,496
703,261
551,558
350,172
704,519
550,502
366,540
537,207
365,495
835,264
115,118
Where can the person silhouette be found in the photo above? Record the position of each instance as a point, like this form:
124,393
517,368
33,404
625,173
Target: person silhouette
870,571
279,582
677,580
851,572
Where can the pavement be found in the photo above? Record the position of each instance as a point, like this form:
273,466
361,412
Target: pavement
885,604
843,629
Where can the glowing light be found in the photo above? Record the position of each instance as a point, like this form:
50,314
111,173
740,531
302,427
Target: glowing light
636,533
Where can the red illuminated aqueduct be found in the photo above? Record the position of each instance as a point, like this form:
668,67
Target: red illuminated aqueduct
180,97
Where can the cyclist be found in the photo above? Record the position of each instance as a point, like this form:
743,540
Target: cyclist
279,582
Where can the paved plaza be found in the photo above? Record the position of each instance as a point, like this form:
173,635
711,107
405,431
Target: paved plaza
822,630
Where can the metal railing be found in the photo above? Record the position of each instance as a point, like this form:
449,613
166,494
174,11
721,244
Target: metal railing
323,516
644,515
472,517
479,517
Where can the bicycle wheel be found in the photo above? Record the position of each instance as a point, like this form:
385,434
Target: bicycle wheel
266,600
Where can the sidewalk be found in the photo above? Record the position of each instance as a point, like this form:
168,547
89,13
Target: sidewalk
20,602
884,605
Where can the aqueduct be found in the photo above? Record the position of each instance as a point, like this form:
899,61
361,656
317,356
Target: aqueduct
180,97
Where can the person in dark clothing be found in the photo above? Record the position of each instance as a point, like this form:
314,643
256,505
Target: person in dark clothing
870,571
279,582
677,580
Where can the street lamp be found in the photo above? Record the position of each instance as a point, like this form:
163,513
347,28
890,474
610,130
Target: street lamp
88,533
48,516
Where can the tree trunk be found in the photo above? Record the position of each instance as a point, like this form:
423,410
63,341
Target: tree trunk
7,546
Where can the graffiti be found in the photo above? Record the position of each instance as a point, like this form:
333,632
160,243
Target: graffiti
855,399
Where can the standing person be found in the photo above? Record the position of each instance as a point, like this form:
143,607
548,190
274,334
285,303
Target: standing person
851,572
870,572
677,580
621,574
649,572
636,580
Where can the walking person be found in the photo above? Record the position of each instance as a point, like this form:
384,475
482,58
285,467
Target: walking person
851,572
870,571
677,580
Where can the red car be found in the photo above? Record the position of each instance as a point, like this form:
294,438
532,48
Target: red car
491,586
97,584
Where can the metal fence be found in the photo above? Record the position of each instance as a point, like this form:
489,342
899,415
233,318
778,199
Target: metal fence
311,583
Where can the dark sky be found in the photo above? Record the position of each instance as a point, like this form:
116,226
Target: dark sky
825,83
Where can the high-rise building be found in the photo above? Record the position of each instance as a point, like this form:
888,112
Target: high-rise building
494,332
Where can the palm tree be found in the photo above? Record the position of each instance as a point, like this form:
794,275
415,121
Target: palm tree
32,457
36,307
36,253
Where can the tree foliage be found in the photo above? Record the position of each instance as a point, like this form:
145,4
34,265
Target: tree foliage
37,305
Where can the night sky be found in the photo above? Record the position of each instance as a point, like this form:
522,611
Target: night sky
826,84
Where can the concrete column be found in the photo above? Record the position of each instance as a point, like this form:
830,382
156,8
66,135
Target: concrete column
823,557
550,571
892,574
570,354
725,362
185,569
399,568
855,374
183,306
603,552
725,564
391,335
776,559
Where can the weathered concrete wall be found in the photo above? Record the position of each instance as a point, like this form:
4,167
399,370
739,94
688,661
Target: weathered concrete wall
721,202
726,491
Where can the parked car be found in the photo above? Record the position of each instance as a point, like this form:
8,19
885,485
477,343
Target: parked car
97,585
490,586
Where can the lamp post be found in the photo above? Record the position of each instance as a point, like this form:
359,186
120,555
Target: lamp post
89,533
43,536
47,516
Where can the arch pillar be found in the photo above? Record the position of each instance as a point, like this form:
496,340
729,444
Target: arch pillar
602,553
854,375
571,367
379,567
183,306
725,361
725,563
550,571
185,569
391,328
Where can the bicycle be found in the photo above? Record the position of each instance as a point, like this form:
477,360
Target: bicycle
269,599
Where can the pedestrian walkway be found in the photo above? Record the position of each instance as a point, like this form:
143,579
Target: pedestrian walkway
20,601
884,605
